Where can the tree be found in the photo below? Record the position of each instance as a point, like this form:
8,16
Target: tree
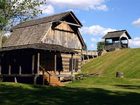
15,11
100,46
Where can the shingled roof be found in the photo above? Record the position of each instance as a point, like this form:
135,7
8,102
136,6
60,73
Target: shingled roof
39,46
116,34
53,18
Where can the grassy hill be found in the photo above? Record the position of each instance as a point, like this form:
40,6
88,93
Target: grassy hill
126,61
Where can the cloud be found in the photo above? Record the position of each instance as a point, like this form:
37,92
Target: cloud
81,4
94,39
136,22
96,30
135,42
47,9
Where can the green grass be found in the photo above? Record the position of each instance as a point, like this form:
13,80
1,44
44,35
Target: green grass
103,90
85,92
126,61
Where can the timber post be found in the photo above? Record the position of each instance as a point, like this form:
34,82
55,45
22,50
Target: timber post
0,69
33,63
35,79
9,71
38,62
72,67
55,63
15,79
20,70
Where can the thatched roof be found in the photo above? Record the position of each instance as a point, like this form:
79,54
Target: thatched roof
116,34
39,46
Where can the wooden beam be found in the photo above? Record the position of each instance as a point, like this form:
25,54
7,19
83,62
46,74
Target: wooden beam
35,79
17,75
72,65
9,70
0,69
20,70
38,62
55,63
71,23
15,79
33,63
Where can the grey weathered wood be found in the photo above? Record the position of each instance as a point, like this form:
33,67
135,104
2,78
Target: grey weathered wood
33,63
38,62
55,62
0,69
72,65
9,70
71,24
35,79
63,38
20,70
15,79
13,75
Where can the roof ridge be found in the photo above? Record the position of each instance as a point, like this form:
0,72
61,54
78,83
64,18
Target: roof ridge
41,20
117,31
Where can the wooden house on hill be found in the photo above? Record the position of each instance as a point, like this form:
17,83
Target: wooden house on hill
43,50
116,40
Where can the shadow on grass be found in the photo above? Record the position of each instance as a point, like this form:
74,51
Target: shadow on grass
38,95
128,86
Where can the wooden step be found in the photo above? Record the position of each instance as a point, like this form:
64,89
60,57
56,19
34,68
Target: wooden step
52,79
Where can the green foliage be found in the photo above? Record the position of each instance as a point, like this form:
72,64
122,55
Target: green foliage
12,11
126,61
100,46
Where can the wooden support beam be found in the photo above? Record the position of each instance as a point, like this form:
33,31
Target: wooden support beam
33,64
55,63
15,79
35,79
9,70
72,74
20,70
38,62
0,69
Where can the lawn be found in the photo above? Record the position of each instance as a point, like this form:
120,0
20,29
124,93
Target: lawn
90,91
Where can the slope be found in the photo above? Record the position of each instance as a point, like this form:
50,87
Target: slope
126,61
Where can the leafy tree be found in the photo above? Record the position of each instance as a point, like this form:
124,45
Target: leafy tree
100,46
15,11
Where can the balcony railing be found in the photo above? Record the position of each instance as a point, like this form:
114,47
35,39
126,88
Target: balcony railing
113,46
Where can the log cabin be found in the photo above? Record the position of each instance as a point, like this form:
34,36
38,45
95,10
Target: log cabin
43,50
116,40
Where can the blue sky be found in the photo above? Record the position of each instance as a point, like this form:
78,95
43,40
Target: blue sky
101,16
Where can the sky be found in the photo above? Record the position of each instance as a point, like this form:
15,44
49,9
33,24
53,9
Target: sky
100,16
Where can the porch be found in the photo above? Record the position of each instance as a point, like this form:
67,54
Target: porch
36,63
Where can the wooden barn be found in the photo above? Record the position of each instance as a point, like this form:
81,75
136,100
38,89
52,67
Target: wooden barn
116,40
43,50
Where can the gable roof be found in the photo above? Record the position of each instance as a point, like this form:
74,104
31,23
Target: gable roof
116,34
33,31
53,18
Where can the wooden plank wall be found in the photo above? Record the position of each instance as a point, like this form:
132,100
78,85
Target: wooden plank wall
63,35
